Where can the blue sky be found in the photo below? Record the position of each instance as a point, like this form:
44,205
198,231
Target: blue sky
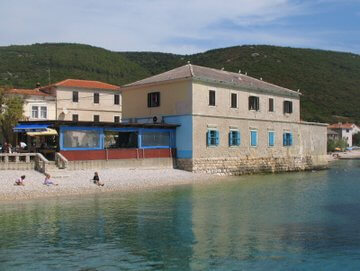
186,26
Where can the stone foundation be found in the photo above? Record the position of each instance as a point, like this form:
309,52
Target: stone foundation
240,166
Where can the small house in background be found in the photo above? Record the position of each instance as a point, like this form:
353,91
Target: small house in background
86,100
38,105
344,131
74,100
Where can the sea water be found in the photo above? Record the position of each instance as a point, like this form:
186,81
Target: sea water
289,221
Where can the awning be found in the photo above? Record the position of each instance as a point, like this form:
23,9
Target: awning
47,132
30,128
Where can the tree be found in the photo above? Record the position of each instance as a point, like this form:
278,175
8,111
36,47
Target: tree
11,111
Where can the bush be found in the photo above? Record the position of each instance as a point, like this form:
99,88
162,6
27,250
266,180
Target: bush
333,144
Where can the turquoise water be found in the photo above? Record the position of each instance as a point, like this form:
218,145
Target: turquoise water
297,221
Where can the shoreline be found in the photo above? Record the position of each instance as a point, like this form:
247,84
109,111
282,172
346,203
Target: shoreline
79,183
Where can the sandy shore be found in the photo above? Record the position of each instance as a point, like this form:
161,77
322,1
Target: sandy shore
78,182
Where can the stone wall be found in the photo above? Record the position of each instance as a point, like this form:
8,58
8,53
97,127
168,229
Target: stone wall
240,166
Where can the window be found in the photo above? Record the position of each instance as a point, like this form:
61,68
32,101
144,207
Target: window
116,119
212,97
212,138
347,130
271,139
271,105
43,112
153,99
115,139
116,99
253,138
75,117
35,112
287,139
96,98
96,118
254,103
234,138
288,107
81,139
75,97
233,100
155,139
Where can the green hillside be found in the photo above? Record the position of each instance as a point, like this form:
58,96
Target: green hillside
329,81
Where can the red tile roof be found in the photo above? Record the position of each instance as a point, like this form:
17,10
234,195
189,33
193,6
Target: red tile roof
341,126
22,91
83,84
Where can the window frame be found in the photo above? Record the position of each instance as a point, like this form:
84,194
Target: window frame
212,140
151,101
75,96
42,111
288,140
115,119
237,134
254,103
269,141
288,107
256,138
35,109
116,99
271,105
233,94
96,98
96,118
212,99
75,118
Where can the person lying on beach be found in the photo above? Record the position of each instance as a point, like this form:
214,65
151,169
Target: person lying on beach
96,179
20,181
48,181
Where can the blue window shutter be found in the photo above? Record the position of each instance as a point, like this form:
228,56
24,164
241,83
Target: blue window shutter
290,140
271,139
230,138
238,138
284,139
208,140
253,138
216,138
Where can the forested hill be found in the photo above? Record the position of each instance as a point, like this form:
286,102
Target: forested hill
329,81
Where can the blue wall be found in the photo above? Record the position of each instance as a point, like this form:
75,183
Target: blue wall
184,140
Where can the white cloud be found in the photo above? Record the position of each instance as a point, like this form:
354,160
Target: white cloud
179,26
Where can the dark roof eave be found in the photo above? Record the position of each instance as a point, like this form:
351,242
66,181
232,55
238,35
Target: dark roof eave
57,123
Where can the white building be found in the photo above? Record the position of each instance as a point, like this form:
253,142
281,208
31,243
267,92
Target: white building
345,131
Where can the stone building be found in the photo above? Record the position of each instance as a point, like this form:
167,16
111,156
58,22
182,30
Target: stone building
230,123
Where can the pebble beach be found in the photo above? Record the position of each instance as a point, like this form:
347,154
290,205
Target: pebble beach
78,182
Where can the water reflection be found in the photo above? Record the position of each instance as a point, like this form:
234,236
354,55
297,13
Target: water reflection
281,222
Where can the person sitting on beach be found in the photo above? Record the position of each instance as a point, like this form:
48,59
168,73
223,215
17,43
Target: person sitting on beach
96,179
20,181
48,181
